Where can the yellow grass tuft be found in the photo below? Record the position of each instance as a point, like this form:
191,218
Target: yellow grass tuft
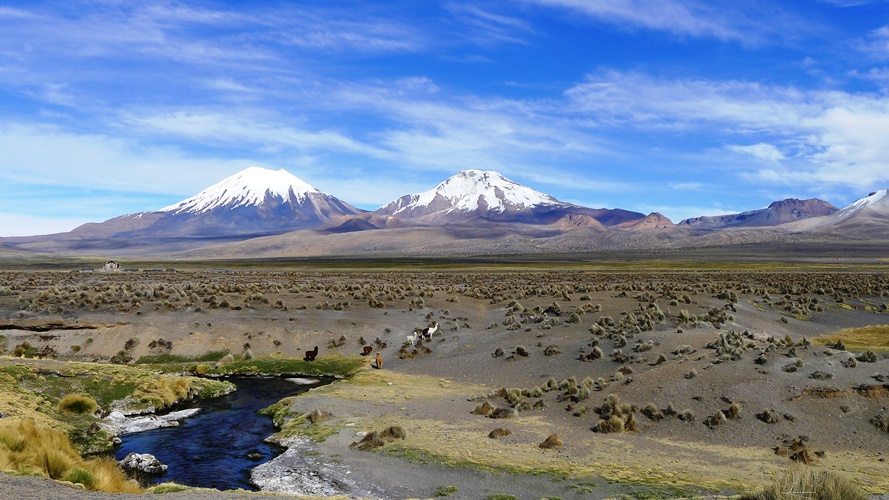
79,404
874,338
806,482
28,447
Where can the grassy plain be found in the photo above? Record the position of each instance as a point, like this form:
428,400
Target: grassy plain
716,365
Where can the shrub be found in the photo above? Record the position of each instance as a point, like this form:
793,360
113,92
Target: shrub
78,404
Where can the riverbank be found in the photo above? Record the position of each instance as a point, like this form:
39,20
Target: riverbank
446,449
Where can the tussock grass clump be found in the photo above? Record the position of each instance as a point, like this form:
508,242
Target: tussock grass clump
805,482
734,411
394,432
78,404
616,417
715,419
867,357
652,412
499,432
798,450
376,439
767,416
503,413
552,441
317,416
370,441
28,448
483,408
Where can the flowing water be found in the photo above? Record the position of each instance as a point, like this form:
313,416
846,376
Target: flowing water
217,447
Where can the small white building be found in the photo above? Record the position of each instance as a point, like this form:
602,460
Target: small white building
111,266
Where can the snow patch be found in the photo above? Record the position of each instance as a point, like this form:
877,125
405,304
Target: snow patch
864,202
470,189
246,188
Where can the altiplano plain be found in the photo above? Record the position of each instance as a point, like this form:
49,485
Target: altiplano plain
668,382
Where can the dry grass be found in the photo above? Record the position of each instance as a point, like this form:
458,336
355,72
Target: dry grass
78,404
27,447
808,483
873,338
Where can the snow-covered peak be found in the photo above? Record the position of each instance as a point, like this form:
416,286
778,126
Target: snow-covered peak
246,188
870,199
469,189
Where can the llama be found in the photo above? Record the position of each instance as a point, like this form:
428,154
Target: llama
379,361
310,355
366,350
430,330
411,339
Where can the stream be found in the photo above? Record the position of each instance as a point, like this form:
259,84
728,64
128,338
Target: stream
219,446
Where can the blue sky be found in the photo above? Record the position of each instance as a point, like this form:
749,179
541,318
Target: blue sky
683,107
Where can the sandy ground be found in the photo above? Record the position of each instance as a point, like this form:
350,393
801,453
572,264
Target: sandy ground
433,394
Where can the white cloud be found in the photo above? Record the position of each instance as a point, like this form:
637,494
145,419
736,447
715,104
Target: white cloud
727,21
762,151
488,28
236,130
639,99
687,186
45,155
826,137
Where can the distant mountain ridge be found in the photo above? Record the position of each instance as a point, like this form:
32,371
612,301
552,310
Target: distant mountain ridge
777,213
263,213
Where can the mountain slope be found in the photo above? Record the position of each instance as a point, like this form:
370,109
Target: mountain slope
777,213
866,218
251,203
650,222
254,201
487,195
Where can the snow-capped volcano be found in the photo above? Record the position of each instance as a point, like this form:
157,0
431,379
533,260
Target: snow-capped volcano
248,187
477,194
471,189
253,202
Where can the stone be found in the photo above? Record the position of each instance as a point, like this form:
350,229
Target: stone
143,462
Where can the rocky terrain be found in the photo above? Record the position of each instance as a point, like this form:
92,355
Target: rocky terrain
687,381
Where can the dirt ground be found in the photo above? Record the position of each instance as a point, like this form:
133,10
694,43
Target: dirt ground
693,343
